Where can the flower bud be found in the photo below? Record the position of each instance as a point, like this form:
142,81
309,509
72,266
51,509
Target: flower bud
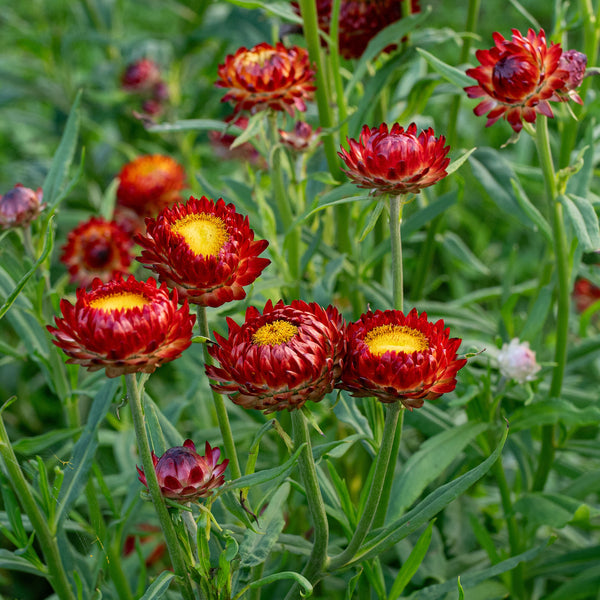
20,206
517,361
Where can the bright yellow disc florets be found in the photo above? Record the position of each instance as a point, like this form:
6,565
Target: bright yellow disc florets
205,234
122,301
275,333
395,338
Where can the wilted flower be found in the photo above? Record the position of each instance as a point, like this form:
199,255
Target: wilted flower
396,161
205,250
517,361
400,358
150,183
20,206
123,326
185,476
97,248
266,77
280,359
574,63
518,78
585,293
360,21
303,138
222,141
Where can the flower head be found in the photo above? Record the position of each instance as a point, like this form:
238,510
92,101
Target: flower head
396,161
97,248
281,358
221,143
360,21
20,206
303,138
574,63
517,78
266,77
141,76
185,476
400,358
123,326
585,293
150,183
205,250
517,361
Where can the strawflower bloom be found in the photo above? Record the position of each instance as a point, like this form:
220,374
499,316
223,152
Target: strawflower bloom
585,293
123,326
281,358
517,361
97,248
205,250
400,358
360,21
141,76
20,206
303,138
574,63
185,476
150,183
267,77
396,161
517,78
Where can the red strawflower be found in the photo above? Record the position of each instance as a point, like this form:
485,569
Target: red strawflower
400,358
97,248
360,21
150,183
585,293
303,138
281,358
20,206
518,78
205,250
185,476
123,326
141,76
396,161
266,77
221,143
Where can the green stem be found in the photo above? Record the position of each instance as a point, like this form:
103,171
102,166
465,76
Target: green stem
562,325
396,203
316,506
222,417
381,465
141,435
46,538
334,59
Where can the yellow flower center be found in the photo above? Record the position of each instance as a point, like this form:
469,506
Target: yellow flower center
119,301
204,233
259,58
275,333
395,338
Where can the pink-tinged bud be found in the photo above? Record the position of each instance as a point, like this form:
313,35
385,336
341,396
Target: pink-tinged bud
20,206
141,76
517,361
574,63
302,138
185,476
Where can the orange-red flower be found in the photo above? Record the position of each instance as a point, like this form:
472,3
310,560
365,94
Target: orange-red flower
303,138
96,248
205,250
396,161
517,78
266,77
150,183
400,358
123,326
281,358
185,476
360,21
20,206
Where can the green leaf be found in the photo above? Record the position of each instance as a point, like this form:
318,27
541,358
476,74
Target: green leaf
462,253
389,35
427,509
540,508
12,562
553,411
255,122
584,220
84,451
460,161
279,9
428,463
373,218
256,545
340,195
452,74
461,591
40,443
534,215
159,586
302,581
412,563
63,158
582,586
538,314
195,125
579,183
423,216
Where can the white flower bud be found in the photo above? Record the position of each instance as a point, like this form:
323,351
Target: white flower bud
517,361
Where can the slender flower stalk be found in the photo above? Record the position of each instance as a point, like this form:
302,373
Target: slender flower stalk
222,417
137,412
381,467
396,203
45,535
563,290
